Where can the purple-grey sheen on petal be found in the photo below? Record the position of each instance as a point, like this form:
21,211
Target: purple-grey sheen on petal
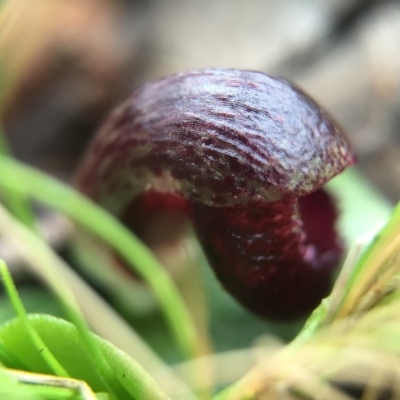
222,138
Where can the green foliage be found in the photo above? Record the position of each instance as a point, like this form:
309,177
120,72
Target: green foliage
63,340
367,286
26,181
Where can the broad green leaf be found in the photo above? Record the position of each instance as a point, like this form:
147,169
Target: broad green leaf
64,341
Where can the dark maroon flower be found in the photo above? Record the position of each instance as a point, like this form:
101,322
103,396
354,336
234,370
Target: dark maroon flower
244,155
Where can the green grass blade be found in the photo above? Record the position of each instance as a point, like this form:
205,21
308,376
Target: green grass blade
20,385
18,204
20,311
54,393
29,182
10,388
370,265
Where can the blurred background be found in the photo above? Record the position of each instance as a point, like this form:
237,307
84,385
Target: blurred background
66,63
